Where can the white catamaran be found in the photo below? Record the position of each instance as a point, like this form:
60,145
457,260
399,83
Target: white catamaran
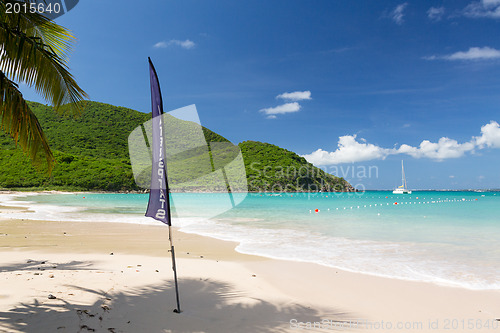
403,188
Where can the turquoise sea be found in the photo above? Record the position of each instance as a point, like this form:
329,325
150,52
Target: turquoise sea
444,237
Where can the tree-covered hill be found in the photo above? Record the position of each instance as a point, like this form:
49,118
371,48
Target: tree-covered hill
271,168
91,153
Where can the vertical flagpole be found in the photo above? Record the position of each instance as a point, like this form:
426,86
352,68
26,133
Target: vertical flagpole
178,309
172,251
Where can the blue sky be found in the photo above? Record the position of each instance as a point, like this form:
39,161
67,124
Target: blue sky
348,84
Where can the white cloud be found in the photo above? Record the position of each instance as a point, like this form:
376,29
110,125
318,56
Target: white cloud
491,3
351,150
287,107
443,149
474,53
185,44
282,109
435,13
295,96
490,136
484,8
397,15
160,45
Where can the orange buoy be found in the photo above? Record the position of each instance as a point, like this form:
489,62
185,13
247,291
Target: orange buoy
316,210
395,203
386,197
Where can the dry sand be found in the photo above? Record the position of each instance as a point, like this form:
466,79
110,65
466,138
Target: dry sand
114,277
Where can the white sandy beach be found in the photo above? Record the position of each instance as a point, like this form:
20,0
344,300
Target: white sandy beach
116,277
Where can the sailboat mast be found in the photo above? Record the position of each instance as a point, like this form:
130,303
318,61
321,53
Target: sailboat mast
403,174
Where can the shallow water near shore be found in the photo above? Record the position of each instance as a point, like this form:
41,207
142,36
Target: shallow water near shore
443,237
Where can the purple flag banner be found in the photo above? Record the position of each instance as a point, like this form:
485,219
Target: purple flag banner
158,205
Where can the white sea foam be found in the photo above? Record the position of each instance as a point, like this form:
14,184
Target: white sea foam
384,259
30,210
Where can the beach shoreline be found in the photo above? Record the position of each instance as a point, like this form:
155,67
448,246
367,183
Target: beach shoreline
95,267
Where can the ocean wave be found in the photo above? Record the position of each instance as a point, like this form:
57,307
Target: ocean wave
406,261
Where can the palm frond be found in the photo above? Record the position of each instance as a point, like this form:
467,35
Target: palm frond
21,124
35,52
37,25
28,59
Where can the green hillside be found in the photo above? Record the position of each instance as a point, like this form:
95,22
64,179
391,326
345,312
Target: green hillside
91,153
271,168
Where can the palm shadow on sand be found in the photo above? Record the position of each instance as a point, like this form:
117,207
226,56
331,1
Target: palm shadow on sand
41,265
208,306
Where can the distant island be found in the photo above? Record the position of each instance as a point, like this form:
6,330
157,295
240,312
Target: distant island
91,153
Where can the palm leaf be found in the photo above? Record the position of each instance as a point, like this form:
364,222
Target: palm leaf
28,59
18,120
37,25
